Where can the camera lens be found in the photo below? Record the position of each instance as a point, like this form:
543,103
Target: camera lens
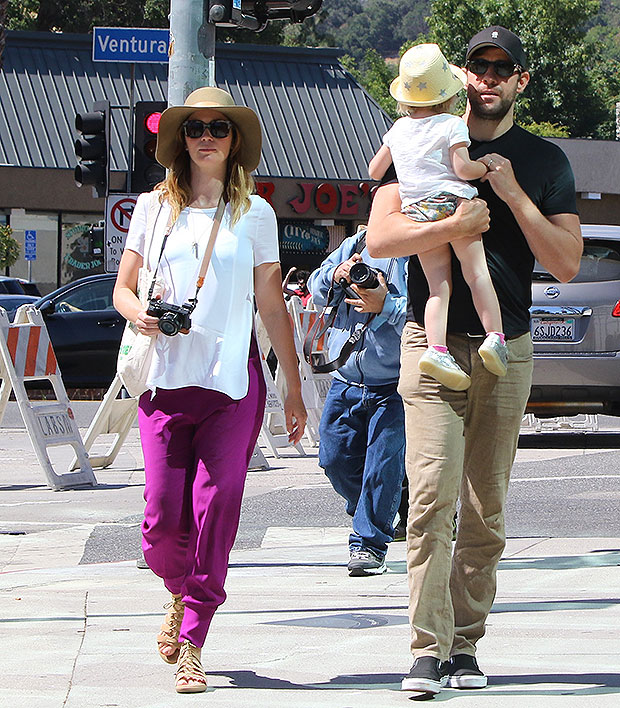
363,275
168,324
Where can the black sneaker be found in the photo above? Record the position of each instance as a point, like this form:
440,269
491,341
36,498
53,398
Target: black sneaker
463,672
363,561
425,676
400,532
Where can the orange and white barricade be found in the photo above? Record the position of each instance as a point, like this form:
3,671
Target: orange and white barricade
273,431
26,355
113,420
314,387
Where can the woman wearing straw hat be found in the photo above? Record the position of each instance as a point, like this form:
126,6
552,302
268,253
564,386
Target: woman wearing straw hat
428,147
201,416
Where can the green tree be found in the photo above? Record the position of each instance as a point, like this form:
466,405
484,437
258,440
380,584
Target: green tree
83,15
568,85
4,6
375,75
9,248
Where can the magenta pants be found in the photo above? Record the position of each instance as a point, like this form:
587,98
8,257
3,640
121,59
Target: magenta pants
197,445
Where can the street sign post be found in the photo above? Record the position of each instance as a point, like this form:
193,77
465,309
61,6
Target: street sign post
30,249
130,44
119,208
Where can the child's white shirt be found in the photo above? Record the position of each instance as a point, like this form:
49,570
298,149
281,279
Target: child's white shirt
420,150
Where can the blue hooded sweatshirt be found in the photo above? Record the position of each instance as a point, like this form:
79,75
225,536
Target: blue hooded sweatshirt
375,360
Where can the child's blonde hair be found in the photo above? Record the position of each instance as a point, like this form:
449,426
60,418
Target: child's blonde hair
404,109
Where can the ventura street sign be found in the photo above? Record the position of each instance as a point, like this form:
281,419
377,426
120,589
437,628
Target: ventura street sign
133,45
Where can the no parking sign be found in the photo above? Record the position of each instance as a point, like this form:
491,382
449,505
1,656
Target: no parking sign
119,208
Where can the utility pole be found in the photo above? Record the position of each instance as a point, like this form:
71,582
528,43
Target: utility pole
192,49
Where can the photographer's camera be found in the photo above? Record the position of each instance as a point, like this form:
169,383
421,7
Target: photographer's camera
172,318
364,276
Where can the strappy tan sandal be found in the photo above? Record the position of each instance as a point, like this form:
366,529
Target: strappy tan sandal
169,632
190,676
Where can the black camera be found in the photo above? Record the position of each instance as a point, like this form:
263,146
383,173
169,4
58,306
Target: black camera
172,318
364,276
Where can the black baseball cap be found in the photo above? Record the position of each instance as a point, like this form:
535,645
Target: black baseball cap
497,36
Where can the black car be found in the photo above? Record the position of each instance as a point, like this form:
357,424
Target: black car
11,302
85,330
18,286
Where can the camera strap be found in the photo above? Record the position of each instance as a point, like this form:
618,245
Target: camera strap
217,220
325,320
322,323
169,226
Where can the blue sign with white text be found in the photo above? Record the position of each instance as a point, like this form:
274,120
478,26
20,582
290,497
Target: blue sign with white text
30,245
130,44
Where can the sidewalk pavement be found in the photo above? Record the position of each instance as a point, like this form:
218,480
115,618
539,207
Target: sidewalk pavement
295,631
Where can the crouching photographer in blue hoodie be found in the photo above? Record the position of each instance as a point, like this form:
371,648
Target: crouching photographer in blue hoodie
362,434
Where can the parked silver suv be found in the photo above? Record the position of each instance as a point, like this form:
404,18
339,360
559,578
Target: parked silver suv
576,331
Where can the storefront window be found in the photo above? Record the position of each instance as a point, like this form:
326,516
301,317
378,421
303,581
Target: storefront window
302,244
81,247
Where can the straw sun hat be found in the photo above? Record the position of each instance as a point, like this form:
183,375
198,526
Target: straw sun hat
244,118
425,78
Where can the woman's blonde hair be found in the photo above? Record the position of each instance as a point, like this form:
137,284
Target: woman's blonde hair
238,183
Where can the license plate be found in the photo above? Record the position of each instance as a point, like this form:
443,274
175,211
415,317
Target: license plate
546,330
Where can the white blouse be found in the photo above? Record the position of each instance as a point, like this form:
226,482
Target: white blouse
214,355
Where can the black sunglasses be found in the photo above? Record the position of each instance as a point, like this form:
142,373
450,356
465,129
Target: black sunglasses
503,69
218,128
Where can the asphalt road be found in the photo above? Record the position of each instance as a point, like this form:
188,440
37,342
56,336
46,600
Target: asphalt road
563,495
565,483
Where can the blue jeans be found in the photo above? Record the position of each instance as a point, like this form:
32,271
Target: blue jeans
362,451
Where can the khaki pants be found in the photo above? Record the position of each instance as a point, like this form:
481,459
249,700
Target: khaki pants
459,444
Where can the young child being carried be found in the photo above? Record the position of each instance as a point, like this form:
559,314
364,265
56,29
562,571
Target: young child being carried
428,147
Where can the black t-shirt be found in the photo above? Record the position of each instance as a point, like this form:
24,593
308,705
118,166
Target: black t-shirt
544,173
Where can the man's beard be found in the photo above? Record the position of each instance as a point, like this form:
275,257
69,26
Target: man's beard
486,111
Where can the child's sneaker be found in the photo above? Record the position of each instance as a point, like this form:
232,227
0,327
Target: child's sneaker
442,367
494,354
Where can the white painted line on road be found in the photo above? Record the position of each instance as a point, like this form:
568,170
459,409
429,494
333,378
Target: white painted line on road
48,549
284,536
41,501
564,477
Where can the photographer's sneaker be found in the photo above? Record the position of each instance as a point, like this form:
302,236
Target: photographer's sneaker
363,561
442,367
426,676
463,672
494,354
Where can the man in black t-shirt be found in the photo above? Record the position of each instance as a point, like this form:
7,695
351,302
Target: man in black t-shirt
461,445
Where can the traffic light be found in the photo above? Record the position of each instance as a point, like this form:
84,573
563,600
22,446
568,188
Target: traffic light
146,172
221,12
255,14
92,148
293,10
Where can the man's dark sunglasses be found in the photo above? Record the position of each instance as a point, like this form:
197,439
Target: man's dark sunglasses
503,69
218,128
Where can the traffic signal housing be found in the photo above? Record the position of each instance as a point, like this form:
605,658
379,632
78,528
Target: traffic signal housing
146,171
255,14
92,148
